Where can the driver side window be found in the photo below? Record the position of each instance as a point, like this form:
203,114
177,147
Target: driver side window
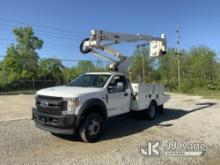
117,84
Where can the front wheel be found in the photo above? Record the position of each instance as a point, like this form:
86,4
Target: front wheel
151,112
91,128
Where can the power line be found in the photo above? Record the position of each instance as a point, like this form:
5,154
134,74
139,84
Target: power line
68,47
50,46
44,31
125,49
130,49
74,45
53,32
61,36
62,59
48,35
58,36
47,47
56,46
41,26
8,41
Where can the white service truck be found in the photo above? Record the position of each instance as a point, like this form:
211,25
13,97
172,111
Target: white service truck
82,105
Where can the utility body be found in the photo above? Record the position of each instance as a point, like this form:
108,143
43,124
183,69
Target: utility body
82,105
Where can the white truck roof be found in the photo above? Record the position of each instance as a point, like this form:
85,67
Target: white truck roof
105,73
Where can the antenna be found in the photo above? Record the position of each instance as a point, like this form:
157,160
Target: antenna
178,53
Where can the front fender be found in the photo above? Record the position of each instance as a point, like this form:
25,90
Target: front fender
88,105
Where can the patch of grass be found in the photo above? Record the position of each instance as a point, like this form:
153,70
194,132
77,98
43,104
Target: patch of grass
18,92
210,94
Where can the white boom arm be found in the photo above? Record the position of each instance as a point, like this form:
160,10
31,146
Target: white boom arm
102,40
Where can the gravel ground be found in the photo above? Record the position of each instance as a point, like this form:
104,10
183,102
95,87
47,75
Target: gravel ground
18,105
187,118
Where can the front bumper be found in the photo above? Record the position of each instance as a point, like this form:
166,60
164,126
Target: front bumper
60,124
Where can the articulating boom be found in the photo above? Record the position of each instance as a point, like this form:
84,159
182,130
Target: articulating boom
102,40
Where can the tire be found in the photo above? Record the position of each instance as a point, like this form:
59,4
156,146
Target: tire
151,112
91,128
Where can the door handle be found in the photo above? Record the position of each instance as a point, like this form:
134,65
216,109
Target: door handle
126,94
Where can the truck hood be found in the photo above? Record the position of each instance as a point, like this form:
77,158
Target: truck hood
68,91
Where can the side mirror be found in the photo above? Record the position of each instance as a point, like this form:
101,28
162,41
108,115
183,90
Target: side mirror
120,87
68,84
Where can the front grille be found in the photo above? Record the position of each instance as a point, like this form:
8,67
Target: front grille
55,105
49,98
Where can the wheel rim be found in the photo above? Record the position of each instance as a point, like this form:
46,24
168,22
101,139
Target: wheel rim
152,111
93,128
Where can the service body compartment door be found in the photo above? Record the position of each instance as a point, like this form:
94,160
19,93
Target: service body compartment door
141,96
144,94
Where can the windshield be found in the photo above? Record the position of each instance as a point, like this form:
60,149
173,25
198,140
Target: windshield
90,80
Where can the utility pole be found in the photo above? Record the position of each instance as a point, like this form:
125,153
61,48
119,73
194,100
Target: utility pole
143,61
178,53
143,66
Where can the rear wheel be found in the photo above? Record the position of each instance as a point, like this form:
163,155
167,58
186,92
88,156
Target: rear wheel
151,112
91,128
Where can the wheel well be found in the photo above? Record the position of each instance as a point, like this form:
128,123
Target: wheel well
92,105
96,109
153,101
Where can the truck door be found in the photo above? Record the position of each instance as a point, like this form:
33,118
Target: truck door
119,96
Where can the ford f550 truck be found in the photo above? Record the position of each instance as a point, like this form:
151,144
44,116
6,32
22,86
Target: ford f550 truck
83,104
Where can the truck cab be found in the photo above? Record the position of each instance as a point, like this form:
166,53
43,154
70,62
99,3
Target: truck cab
82,105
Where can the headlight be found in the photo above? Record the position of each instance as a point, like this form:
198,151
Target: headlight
72,104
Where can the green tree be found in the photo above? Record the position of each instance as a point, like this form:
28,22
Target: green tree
21,58
70,74
85,66
168,69
198,69
51,69
100,66
136,65
202,67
